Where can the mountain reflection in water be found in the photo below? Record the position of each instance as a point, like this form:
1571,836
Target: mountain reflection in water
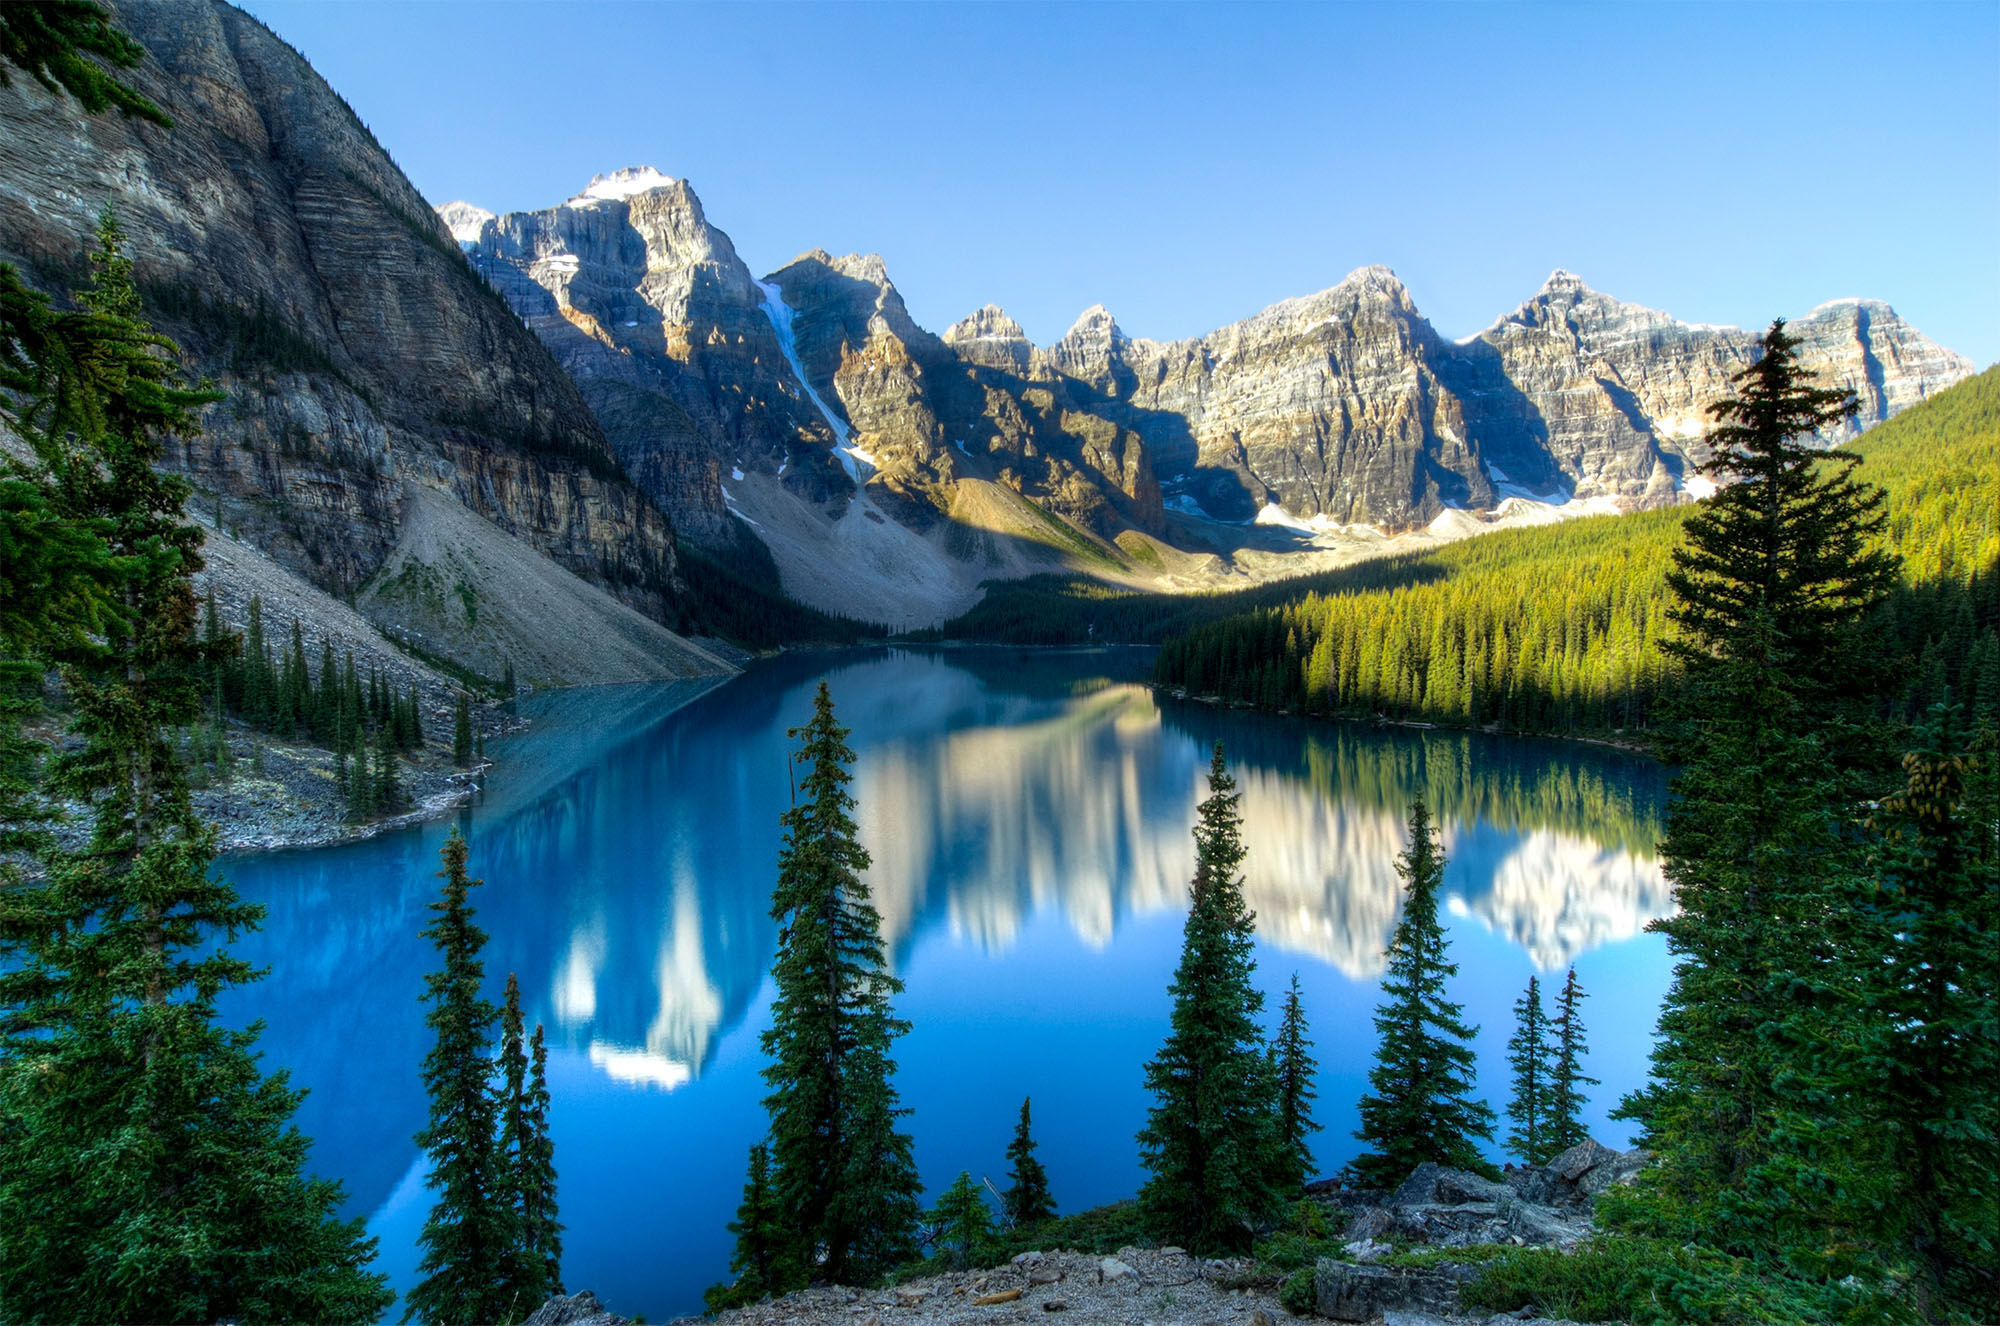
629,841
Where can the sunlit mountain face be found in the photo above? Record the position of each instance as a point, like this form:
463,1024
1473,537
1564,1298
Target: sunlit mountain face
1028,816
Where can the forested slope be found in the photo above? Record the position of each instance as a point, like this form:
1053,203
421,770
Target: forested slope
1556,629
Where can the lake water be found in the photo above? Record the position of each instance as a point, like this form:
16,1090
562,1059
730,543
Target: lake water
1029,818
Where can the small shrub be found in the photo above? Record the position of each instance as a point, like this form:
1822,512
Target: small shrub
1299,1295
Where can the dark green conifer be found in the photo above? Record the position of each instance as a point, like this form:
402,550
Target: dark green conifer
1293,1069
461,732
843,1172
522,1271
387,795
1530,1056
764,1242
473,1227
59,43
1028,1200
964,1224
1567,1078
137,1129
326,703
541,1231
416,736
1421,1107
1211,1132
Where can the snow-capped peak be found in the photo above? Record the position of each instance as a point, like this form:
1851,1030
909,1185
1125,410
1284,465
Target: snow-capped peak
463,220
620,185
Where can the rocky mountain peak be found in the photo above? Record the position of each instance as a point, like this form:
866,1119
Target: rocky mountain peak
989,337
619,185
1094,322
463,220
1564,282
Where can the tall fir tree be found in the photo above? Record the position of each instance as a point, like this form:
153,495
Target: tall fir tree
541,1231
1211,1131
1293,1069
461,732
473,1226
1772,591
522,1271
1530,1056
148,1170
1422,1106
844,1172
1567,1080
1027,1200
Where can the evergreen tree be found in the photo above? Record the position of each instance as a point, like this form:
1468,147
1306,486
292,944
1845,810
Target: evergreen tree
461,732
416,735
1421,1108
1567,1080
963,1223
473,1227
843,1173
360,786
1530,1056
522,1271
1028,1200
540,1230
1293,1068
1211,1132
764,1242
388,790
1771,592
148,1171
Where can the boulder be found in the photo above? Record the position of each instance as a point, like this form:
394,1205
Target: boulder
1345,1292
578,1309
1433,1184
1576,1176
1111,1269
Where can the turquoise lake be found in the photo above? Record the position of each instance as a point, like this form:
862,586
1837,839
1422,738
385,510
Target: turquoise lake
1029,815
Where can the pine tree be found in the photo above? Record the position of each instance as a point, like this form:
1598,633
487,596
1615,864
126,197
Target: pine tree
473,1227
461,733
1567,1080
1293,1068
1421,1108
844,1174
1771,592
416,740
764,1243
50,40
522,1269
136,1128
1211,1132
963,1223
541,1232
1530,1056
1027,1201
388,789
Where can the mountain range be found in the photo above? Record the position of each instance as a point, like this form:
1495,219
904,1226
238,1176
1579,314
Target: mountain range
416,392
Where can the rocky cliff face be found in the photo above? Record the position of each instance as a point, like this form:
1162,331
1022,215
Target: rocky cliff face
363,357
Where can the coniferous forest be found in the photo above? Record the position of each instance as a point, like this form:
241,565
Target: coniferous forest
1812,652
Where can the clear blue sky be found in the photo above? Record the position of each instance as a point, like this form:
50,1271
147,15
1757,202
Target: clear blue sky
1187,164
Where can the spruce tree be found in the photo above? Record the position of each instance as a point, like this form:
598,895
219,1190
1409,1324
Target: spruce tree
137,1129
1567,1080
1421,1107
522,1271
1771,591
388,790
1530,1056
50,41
541,1232
416,736
1293,1069
963,1223
843,1172
1211,1131
473,1227
764,1242
1027,1201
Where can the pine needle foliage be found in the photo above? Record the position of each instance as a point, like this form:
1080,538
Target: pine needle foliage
1293,1070
1772,593
963,1222
59,44
535,1171
523,1272
1211,1131
1027,1200
473,1227
148,1170
844,1173
1567,1079
1421,1107
761,1259
1529,1056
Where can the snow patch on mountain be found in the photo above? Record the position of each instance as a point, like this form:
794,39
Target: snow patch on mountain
620,185
464,221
